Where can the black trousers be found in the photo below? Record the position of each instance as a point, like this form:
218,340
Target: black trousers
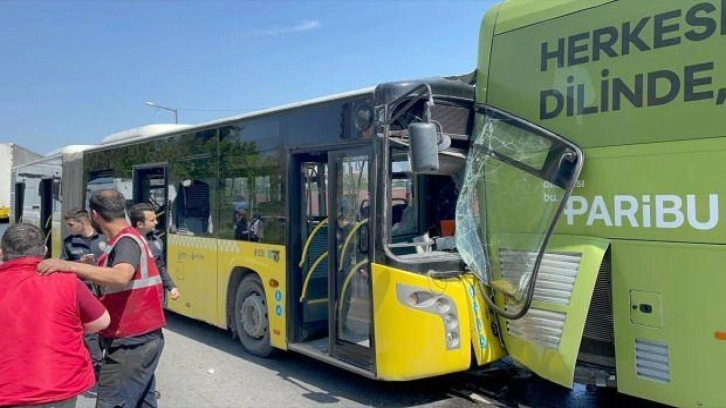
127,376
93,344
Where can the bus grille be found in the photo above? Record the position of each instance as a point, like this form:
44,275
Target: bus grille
599,324
456,120
538,326
651,361
556,277
554,285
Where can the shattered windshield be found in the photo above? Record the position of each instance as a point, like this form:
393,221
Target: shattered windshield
517,178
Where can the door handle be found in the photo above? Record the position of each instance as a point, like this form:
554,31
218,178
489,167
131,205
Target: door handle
644,308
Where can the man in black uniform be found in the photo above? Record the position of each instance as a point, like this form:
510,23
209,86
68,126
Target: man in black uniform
143,218
84,244
82,241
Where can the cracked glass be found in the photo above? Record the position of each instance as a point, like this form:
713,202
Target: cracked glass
517,178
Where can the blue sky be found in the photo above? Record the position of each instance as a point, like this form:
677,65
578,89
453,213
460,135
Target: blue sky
74,72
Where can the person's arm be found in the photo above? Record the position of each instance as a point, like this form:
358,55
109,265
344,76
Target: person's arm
157,249
166,279
94,315
127,255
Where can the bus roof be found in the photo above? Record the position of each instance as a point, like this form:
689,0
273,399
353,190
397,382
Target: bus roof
69,149
514,14
55,155
142,132
159,130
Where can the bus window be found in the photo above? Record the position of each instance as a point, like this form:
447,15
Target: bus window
404,209
251,179
192,208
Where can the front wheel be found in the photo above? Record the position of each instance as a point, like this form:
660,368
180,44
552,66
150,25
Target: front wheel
250,317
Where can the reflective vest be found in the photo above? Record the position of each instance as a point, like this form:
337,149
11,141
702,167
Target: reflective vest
135,309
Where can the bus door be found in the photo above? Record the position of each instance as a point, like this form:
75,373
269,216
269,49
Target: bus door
311,259
350,306
45,192
19,202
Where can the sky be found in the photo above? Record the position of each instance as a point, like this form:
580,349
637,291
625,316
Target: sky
73,72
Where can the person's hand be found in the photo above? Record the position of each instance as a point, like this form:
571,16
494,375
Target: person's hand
49,266
88,259
174,294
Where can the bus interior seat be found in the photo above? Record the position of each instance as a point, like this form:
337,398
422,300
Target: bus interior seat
397,212
195,225
193,207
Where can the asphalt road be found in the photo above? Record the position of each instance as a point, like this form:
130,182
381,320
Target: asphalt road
202,366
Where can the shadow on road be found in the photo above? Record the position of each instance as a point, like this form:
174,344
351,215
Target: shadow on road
502,384
319,381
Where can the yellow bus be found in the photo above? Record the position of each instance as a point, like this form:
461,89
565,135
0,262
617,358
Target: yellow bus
329,227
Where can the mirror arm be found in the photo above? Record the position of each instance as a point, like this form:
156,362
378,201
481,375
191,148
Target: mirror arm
410,103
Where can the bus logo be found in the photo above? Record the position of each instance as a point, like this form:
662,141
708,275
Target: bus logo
273,255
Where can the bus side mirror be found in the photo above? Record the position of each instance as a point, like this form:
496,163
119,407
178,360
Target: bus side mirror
424,151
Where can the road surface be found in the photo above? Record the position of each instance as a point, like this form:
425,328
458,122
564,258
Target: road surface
202,366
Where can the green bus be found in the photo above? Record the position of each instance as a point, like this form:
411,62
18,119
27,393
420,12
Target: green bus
639,86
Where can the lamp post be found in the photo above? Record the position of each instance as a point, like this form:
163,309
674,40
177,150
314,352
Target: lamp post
176,114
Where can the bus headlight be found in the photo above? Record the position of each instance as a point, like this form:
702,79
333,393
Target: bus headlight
452,340
443,305
451,322
435,303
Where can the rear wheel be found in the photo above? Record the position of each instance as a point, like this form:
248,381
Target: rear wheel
250,317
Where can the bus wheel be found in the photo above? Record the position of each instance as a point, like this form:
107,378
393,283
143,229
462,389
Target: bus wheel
250,316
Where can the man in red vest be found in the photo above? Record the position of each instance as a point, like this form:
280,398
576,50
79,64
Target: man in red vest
132,293
43,360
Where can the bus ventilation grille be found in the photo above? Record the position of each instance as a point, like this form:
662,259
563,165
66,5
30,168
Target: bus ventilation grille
454,119
651,361
599,324
556,277
538,326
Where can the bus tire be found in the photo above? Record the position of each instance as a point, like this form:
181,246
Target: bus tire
250,317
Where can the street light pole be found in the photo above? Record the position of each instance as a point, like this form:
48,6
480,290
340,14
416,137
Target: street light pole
176,113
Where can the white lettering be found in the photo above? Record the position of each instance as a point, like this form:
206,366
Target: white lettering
663,209
571,211
646,211
629,212
599,211
712,212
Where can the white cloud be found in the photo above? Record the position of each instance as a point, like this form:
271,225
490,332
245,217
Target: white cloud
306,25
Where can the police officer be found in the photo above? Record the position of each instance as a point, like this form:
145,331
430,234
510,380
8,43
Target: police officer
143,218
84,244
